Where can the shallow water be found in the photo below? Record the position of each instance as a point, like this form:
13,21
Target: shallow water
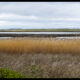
45,38
68,37
5,37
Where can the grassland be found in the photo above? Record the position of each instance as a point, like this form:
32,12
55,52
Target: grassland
41,57
34,45
40,30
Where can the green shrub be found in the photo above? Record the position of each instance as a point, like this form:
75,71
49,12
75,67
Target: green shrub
7,73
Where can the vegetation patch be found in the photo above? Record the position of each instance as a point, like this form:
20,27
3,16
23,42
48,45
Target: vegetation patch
7,73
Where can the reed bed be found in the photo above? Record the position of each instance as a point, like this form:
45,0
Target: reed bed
39,46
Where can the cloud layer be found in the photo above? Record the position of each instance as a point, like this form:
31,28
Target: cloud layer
39,15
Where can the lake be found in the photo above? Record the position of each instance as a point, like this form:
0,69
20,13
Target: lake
39,32
42,33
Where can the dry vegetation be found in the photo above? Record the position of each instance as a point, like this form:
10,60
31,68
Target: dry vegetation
34,45
58,63
43,66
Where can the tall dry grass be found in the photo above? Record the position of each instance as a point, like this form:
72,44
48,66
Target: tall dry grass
39,46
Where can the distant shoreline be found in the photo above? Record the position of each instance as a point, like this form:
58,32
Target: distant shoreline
40,30
39,35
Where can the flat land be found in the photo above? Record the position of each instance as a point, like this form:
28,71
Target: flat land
40,30
41,57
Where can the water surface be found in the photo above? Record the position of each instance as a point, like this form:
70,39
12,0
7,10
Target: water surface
42,33
39,32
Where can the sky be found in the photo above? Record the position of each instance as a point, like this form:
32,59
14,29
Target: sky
39,15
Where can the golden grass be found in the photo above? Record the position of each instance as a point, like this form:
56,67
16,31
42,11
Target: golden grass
39,46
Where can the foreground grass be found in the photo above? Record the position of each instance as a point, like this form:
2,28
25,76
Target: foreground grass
43,66
58,63
39,46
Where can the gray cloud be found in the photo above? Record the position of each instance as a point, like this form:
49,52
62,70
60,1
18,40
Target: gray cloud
40,14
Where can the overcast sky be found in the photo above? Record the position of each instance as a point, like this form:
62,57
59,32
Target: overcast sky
39,15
